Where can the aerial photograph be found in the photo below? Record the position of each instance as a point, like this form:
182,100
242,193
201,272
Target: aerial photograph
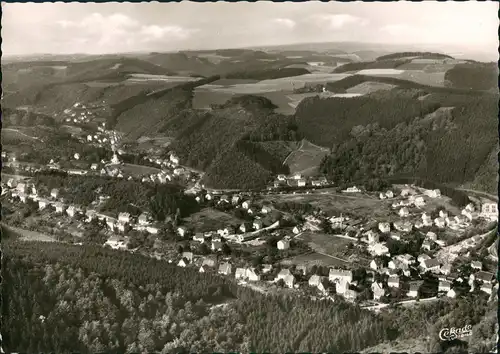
249,177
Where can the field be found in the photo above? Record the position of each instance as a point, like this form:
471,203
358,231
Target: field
325,243
210,219
27,235
334,203
11,134
138,170
369,87
306,159
312,259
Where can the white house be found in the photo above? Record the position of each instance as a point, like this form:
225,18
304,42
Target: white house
378,249
444,286
71,211
12,183
440,222
451,293
431,236
42,204
340,275
152,229
403,226
414,287
434,193
287,277
393,282
252,275
246,204
281,178
426,219
257,224
225,269
90,214
93,167
76,156
445,269
378,290
59,207
476,265
443,214
266,209
315,280
404,212
389,194
266,268
353,189
297,230
376,264
116,242
301,182
283,244
406,258
489,211
143,219
384,227
124,217
419,202
423,257
182,231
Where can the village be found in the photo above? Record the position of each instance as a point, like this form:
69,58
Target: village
370,271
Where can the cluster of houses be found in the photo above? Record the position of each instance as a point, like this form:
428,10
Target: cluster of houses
79,113
298,180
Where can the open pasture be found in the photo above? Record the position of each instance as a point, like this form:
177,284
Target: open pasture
306,159
210,219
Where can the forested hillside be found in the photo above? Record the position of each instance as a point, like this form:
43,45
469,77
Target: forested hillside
473,76
64,298
452,145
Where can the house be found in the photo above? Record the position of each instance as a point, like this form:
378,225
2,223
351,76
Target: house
476,265
297,230
116,242
287,277
426,219
246,204
378,249
124,217
21,187
353,189
404,212
301,182
422,258
434,193
382,196
489,211
451,293
12,183
350,295
281,178
389,194
297,176
430,265
396,236
252,274
376,264
266,268
216,245
301,269
488,289
111,223
384,227
59,207
440,222
378,290
443,214
393,282
414,288
257,224
90,215
427,245
431,236
419,202
183,262
199,237
445,269
283,244
338,275
153,229
483,277
240,273
406,258
93,167
208,263
315,280
266,209
245,227
235,199
225,269
444,286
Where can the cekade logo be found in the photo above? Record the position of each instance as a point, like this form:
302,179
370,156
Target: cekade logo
455,333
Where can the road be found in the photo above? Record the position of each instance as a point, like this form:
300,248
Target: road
404,303
480,193
493,250
337,258
20,132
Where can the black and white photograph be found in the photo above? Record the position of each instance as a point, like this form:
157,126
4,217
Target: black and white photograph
249,177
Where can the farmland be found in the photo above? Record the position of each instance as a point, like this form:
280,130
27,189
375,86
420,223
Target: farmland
306,159
138,170
369,87
325,243
312,259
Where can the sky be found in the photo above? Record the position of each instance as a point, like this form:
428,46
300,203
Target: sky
65,28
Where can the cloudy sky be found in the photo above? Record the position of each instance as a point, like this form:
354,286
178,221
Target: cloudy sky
124,27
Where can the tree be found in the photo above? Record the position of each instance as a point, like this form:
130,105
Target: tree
226,250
